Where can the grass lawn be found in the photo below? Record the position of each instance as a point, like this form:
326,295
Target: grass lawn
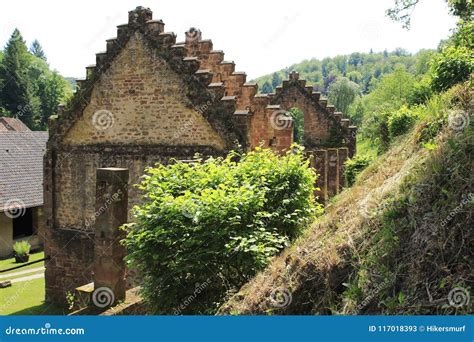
8,263
26,297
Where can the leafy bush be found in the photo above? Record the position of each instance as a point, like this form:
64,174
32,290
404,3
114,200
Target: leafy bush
462,35
453,65
400,121
429,130
210,225
434,116
375,128
354,166
21,248
421,92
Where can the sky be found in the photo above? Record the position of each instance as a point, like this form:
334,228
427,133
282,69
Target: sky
260,36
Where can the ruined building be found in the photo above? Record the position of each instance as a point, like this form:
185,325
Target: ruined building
149,99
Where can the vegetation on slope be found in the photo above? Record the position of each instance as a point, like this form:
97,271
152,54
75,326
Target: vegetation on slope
380,92
400,241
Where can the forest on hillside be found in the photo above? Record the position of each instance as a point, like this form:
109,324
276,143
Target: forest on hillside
364,70
378,90
29,89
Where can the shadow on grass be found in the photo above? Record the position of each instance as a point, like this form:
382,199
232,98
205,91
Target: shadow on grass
43,309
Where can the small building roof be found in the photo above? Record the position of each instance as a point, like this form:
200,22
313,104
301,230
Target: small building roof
21,169
12,125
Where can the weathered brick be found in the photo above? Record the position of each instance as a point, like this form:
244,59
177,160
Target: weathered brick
150,101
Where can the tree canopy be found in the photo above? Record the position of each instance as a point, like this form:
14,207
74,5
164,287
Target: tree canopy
29,90
16,92
402,10
342,93
364,69
37,50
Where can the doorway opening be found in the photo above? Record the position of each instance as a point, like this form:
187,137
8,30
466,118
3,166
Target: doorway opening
23,225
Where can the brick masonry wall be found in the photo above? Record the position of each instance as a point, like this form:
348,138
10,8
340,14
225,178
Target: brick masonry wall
70,264
329,164
69,241
75,181
147,119
322,128
147,103
317,127
149,100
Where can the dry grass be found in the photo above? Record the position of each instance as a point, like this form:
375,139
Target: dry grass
319,261
350,262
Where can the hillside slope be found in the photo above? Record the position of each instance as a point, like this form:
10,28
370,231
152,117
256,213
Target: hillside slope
400,241
364,69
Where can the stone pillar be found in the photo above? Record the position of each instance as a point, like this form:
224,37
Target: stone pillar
284,138
352,141
333,172
320,163
111,213
47,226
342,154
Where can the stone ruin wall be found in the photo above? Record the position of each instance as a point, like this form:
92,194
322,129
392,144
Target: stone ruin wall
148,100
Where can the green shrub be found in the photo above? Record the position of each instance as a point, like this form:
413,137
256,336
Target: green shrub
400,121
462,35
421,92
375,128
209,226
453,65
354,166
430,130
21,248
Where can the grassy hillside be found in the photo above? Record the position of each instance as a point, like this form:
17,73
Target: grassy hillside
400,241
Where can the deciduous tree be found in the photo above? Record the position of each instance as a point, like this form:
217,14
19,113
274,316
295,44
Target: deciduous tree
342,93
